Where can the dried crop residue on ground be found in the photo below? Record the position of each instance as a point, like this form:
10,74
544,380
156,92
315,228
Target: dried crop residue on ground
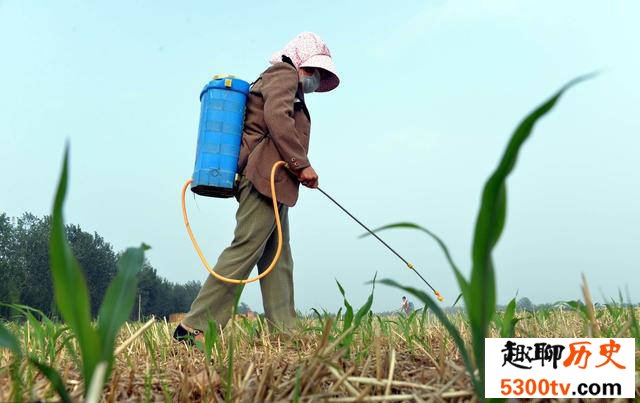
388,359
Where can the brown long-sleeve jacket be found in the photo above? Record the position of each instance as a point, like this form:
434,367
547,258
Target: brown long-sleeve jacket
276,127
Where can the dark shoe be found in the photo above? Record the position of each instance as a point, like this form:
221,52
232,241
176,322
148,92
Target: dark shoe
184,336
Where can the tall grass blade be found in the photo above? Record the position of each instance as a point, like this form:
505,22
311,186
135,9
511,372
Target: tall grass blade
9,341
457,300
94,391
479,293
508,326
70,289
315,312
367,305
54,377
489,225
348,315
118,302
635,324
296,388
72,296
423,316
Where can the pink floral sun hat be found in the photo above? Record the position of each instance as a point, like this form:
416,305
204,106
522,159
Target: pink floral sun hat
308,50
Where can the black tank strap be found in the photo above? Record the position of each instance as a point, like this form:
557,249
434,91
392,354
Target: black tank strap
288,60
285,59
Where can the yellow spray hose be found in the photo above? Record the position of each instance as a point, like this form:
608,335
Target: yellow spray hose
274,199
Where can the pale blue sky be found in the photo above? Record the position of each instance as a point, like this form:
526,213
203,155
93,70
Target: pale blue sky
430,93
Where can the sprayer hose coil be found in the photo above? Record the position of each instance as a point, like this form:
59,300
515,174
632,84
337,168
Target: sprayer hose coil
206,264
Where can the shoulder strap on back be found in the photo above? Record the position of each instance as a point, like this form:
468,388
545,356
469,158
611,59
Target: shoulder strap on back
288,60
256,80
285,59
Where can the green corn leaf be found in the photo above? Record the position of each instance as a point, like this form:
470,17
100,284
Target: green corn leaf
54,377
423,316
315,311
71,350
635,323
490,222
94,390
412,317
9,341
367,306
24,309
615,309
457,300
635,327
507,328
118,301
54,342
211,339
36,329
70,289
348,315
236,300
338,315
296,388
453,331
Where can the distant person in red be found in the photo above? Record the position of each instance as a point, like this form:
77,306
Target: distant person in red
406,306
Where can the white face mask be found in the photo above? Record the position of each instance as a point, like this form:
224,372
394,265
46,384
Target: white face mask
310,83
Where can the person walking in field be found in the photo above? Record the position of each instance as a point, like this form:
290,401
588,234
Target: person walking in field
406,306
277,127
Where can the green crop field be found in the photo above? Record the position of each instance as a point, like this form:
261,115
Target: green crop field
393,358
431,355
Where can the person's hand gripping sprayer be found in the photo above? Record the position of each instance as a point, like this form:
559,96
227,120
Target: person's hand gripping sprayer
308,177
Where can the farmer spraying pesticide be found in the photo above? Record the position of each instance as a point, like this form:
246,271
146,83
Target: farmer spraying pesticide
406,306
252,144
276,128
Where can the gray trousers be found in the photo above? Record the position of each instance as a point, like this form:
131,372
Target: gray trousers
254,243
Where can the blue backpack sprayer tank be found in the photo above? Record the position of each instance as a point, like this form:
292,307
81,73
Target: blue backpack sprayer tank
222,105
215,174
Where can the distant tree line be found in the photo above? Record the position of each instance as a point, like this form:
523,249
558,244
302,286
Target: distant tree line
25,276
